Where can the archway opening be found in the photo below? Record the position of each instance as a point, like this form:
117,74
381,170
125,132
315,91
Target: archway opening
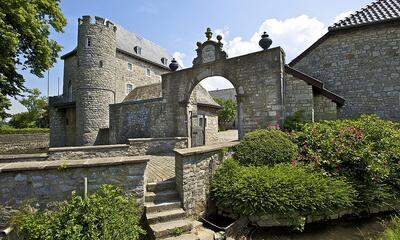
213,115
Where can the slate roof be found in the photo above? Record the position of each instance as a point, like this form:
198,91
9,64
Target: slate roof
154,91
127,41
379,11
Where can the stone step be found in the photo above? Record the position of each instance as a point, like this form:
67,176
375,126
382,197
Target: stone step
165,206
161,186
188,236
171,228
164,196
158,217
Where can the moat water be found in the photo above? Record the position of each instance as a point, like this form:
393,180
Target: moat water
345,229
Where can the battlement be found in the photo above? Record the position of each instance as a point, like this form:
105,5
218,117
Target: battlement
87,20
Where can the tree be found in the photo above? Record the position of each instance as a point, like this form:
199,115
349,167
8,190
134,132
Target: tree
36,106
228,112
25,44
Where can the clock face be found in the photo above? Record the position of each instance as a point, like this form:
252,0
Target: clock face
208,53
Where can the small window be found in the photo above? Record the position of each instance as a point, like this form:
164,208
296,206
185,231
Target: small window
138,50
130,66
100,63
148,72
202,122
164,61
69,91
88,41
129,88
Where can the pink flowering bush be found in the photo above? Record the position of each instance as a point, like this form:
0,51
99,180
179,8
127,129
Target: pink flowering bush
365,150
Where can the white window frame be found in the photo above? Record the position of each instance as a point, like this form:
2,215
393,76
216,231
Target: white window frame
127,86
130,66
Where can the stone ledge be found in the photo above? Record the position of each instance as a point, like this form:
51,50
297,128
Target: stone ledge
80,148
65,164
156,139
205,149
23,156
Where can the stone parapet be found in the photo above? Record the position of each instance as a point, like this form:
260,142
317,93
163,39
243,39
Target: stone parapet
45,182
145,146
194,169
84,152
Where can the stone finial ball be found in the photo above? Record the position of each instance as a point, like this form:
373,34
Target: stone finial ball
173,65
198,44
219,37
265,41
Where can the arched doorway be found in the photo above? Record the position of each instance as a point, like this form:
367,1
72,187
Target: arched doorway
257,78
212,112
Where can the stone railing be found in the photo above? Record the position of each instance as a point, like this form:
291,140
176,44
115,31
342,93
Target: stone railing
83,152
24,143
45,182
145,146
194,168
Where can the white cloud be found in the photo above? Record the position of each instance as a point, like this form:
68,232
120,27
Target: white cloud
179,58
294,35
215,83
342,16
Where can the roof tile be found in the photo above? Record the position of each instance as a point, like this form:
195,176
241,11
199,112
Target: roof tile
378,11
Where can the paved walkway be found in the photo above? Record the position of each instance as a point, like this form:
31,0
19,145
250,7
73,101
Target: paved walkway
162,167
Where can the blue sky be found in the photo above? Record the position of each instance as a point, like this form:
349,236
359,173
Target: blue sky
177,26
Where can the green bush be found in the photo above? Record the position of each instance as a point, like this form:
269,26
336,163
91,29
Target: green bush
5,129
265,147
294,122
107,214
392,230
282,189
365,150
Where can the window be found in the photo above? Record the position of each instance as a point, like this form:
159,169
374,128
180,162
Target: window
148,72
130,66
70,92
129,88
202,121
138,50
101,64
88,41
164,61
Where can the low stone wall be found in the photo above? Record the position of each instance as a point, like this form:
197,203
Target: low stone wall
48,181
145,146
70,153
194,168
24,143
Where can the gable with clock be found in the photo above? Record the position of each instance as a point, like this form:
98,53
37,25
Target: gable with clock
210,50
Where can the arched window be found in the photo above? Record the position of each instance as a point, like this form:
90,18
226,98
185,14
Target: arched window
129,88
69,91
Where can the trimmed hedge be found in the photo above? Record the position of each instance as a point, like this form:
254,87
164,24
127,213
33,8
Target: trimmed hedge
365,150
9,130
106,214
266,147
282,189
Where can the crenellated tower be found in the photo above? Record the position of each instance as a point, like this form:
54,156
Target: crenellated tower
95,86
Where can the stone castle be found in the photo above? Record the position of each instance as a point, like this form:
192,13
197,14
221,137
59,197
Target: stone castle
117,85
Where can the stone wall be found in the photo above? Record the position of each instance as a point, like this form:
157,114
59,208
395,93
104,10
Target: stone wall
194,168
137,119
85,152
324,108
298,97
146,146
24,143
361,65
49,181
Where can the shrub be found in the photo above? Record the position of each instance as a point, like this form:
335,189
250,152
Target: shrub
5,129
294,122
265,147
282,189
365,150
392,230
106,214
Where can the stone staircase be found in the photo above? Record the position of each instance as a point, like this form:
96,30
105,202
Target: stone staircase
165,216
